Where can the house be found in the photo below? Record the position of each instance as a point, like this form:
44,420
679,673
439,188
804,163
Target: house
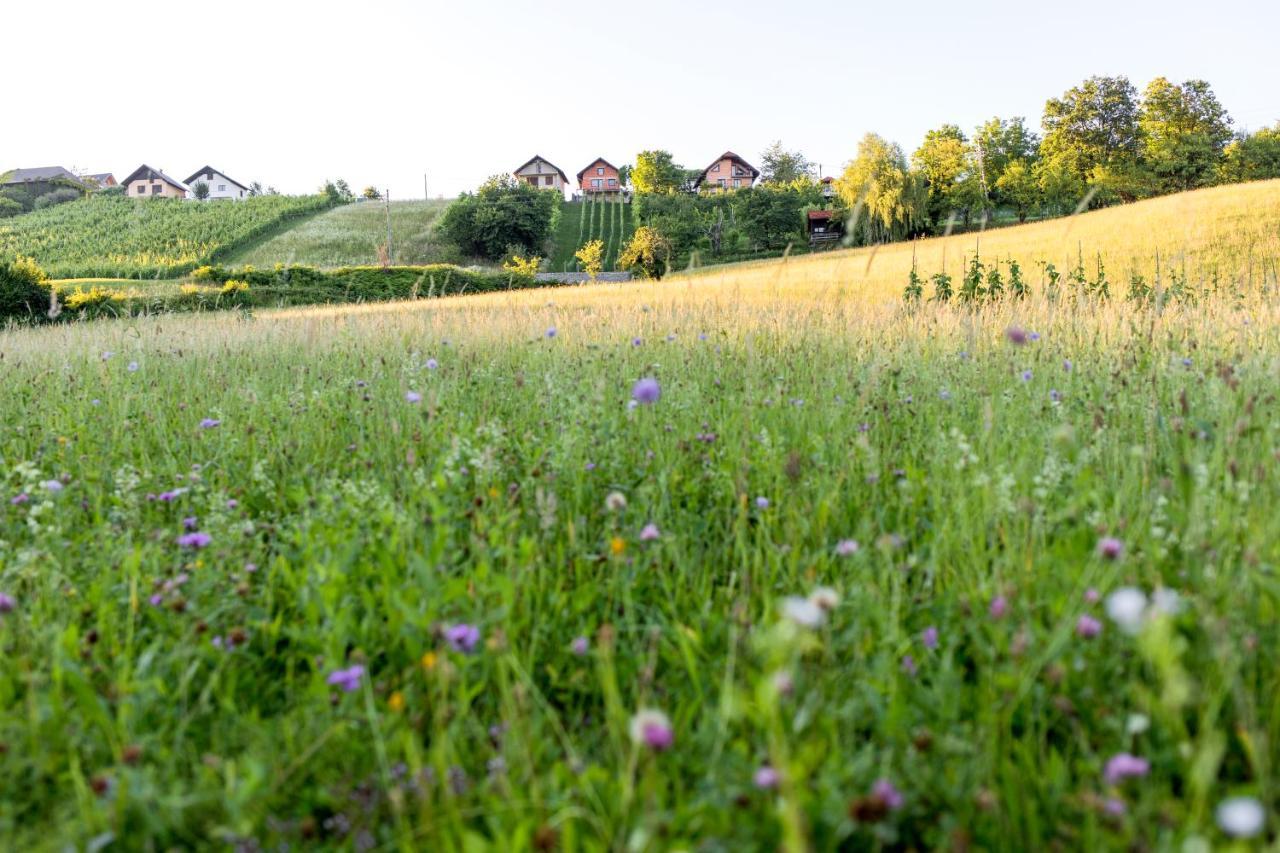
728,172
600,177
828,185
37,182
220,186
100,181
541,173
824,227
146,182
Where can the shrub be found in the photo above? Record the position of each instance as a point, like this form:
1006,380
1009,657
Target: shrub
55,197
520,265
501,214
96,297
648,254
591,256
23,288
9,207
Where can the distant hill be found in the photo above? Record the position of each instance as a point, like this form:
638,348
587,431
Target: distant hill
350,236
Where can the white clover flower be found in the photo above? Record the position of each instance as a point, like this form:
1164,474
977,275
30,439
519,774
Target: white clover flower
1241,817
803,612
615,502
1127,607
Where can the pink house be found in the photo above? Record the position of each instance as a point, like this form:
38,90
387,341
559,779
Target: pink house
727,172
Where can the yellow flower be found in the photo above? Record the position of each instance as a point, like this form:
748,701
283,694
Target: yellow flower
429,661
617,546
396,702
493,491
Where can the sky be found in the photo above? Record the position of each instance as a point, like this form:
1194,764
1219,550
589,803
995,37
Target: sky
383,92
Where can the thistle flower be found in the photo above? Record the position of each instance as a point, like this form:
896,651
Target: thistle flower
635,342
999,607
432,364
195,541
1124,766
19,499
1110,548
847,547
886,793
650,532
551,332
7,603
929,637
462,637
646,391
190,523
413,397
348,679
1026,376
1016,336
1087,627
1241,817
766,778
652,729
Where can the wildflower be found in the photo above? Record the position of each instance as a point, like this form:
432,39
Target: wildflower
1136,724
170,496
210,423
551,332
1241,817
348,679
783,683
395,702
462,637
999,607
635,342
1127,607
133,367
1186,362
1125,766
649,532
7,602
1114,806
156,600
1091,596
847,547
825,598
580,646
1033,336
432,364
106,356
19,499
929,637
909,665
1067,365
590,466
54,486
1166,601
190,523
413,397
803,612
944,395
646,391
1016,336
617,546
1110,548
615,502
1026,376
232,503
194,541
1055,395
1087,627
766,778
762,503
890,796
652,729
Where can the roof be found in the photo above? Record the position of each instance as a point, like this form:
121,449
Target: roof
821,214
728,155
145,171
41,174
535,158
101,177
209,169
592,163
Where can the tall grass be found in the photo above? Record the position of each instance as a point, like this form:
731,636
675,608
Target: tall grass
382,474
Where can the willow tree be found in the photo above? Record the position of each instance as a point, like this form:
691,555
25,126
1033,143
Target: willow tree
887,199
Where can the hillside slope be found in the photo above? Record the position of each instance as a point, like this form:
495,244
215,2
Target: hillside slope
1228,234
350,236
584,221
119,237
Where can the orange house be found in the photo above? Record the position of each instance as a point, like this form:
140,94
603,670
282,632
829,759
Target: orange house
728,172
600,177
147,182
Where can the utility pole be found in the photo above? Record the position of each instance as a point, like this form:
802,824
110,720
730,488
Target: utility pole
390,256
426,194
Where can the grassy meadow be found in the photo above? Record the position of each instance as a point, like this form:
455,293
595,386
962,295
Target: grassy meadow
350,235
752,558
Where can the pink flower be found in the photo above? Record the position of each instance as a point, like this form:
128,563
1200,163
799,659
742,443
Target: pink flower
652,729
766,778
195,541
1123,766
1088,627
885,792
846,548
929,636
7,603
999,606
1110,548
650,533
1092,596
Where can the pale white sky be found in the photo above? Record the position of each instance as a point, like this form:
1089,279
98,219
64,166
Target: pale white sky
381,91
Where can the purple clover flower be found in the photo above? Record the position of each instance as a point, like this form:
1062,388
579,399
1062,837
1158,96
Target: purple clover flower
580,646
7,602
195,541
462,637
348,679
1110,548
650,532
1087,627
766,778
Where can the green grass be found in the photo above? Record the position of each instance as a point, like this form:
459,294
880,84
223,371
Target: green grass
350,236
583,221
803,407
118,237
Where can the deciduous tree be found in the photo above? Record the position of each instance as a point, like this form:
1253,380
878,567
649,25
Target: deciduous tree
1184,132
656,172
779,166
892,199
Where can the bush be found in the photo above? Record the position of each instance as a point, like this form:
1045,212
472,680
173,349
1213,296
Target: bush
9,207
23,289
648,254
55,197
502,214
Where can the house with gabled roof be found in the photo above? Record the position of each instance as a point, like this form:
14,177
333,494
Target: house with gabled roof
146,182
38,181
727,172
543,174
100,181
600,177
220,186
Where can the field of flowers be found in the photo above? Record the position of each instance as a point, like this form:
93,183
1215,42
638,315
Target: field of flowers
741,560
119,237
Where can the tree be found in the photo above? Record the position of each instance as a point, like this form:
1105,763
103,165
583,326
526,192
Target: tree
1094,124
371,193
891,197
344,191
1252,157
1184,132
591,256
1019,188
772,217
656,172
201,190
1000,143
1061,189
9,207
951,174
780,166
624,175
503,216
255,189
648,253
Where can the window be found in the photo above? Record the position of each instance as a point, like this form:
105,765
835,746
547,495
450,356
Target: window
600,170
222,188
720,182
550,181
142,190
737,183
595,183
156,189
716,167
613,182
